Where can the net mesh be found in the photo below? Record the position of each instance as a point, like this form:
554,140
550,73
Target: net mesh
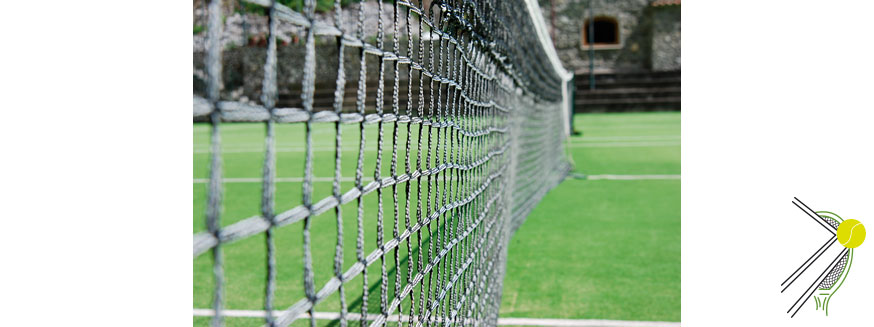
468,117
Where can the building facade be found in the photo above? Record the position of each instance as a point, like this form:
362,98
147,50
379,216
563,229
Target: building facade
628,35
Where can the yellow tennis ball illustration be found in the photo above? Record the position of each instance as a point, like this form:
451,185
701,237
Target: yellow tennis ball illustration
851,233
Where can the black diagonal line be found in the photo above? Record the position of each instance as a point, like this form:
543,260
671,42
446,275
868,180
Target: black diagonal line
808,259
833,239
826,226
816,282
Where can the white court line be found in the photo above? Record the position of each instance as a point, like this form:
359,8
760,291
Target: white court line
260,149
281,179
626,138
630,126
584,322
260,145
632,177
367,179
501,321
593,141
623,144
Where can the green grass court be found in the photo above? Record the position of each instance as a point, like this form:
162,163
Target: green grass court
592,249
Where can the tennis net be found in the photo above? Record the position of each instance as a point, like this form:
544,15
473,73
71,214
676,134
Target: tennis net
458,111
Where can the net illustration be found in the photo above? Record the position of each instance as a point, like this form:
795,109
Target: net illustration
443,127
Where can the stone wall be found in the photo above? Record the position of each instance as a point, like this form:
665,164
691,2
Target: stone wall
240,29
666,38
243,68
649,37
244,50
632,53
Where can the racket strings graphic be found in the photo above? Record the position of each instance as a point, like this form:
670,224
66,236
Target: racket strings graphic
838,273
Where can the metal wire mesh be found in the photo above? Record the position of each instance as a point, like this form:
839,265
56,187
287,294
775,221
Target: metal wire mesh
482,124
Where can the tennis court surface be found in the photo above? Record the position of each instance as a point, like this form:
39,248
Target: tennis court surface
604,248
389,193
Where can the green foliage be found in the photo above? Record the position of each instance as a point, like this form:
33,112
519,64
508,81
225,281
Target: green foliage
198,29
252,8
296,5
321,5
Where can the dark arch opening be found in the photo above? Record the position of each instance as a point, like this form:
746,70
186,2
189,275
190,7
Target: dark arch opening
606,31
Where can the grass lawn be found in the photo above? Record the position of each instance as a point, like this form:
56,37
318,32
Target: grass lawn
613,254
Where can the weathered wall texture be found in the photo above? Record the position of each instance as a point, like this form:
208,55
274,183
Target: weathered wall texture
243,69
244,42
649,37
666,38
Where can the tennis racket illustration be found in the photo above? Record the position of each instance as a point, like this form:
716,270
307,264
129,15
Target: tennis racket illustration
849,234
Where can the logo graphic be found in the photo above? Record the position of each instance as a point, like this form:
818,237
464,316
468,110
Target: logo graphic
849,234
